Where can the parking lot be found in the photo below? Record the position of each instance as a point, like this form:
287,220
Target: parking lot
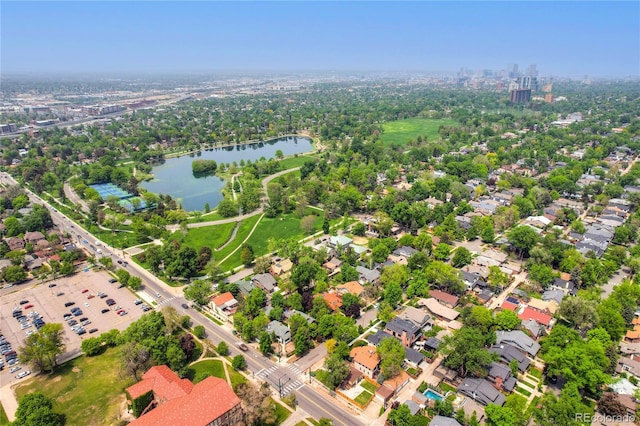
49,300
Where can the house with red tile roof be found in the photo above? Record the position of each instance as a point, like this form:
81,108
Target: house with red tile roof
333,300
175,401
366,360
224,304
535,315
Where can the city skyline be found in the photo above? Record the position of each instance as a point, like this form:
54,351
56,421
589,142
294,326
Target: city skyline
569,39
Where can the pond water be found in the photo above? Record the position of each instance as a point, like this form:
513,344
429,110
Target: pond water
174,176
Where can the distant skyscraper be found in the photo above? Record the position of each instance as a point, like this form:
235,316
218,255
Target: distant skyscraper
533,71
520,96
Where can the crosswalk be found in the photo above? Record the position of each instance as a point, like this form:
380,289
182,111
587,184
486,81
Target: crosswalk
289,380
164,301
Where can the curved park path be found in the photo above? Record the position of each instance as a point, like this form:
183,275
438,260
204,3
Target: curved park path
258,211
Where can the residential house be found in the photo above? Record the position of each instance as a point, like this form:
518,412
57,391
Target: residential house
33,237
404,330
482,391
368,276
174,400
281,267
366,360
5,263
224,304
15,243
281,332
264,281
413,407
439,310
443,421
518,339
417,316
412,357
629,403
533,314
333,300
473,280
547,306
375,338
446,299
506,353
245,286
500,375
629,365
332,266
352,287
31,262
339,241
532,327
555,295
290,312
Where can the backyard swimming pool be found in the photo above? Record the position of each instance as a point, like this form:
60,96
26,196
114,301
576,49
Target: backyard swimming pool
431,394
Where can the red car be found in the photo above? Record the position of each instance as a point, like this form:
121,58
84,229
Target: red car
28,307
85,290
91,296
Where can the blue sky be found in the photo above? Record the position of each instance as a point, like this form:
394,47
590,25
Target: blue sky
563,38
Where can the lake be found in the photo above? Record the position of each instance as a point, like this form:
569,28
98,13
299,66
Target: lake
174,176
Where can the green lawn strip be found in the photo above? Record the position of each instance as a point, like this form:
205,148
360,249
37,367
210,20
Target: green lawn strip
235,377
87,390
363,398
197,351
368,386
402,131
446,387
523,391
210,217
291,162
301,424
213,319
534,403
281,412
209,367
527,384
536,373
4,420
210,236
312,421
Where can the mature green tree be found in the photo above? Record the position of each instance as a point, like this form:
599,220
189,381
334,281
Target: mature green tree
391,353
578,312
461,257
496,277
523,238
198,291
337,370
35,409
238,363
42,348
442,251
500,416
223,348
265,343
507,320
541,274
14,274
466,353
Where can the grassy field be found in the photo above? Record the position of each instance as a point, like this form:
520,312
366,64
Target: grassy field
283,226
291,162
87,390
203,369
210,236
235,377
523,391
402,131
209,217
4,420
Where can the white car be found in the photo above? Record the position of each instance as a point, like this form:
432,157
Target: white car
158,295
86,304
23,374
16,368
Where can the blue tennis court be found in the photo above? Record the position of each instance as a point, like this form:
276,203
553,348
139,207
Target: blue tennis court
110,190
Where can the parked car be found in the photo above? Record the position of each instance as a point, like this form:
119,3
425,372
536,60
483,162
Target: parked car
93,330
185,306
23,374
28,306
242,346
60,294
122,313
104,311
85,291
112,280
110,302
52,285
24,302
66,305
15,369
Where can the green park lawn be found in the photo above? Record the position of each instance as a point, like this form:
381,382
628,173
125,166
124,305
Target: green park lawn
210,367
87,390
235,377
210,236
402,131
281,413
280,227
291,162
206,217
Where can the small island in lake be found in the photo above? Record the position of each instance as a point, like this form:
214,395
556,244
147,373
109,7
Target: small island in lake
204,167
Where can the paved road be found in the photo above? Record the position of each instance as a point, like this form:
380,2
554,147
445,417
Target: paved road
75,199
290,378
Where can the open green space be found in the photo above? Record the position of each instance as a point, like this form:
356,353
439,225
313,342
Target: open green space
363,398
536,373
203,369
280,227
281,413
291,162
530,385
368,386
402,132
87,390
210,236
4,420
208,217
235,377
